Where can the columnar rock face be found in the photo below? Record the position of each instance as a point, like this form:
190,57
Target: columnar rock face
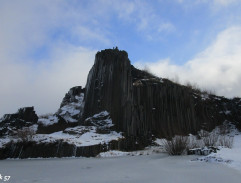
109,87
142,105
117,97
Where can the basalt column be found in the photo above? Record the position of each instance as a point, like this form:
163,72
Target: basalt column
109,87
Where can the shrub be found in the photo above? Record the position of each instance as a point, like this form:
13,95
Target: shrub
224,129
194,143
225,141
176,146
203,134
210,140
25,134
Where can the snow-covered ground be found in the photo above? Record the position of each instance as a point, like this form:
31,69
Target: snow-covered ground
147,151
230,157
148,165
80,136
155,168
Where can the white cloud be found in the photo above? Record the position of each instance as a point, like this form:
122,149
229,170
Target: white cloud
87,34
216,68
43,86
63,27
215,2
26,26
143,16
166,27
225,2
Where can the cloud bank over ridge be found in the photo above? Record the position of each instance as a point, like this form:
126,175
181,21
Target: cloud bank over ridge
216,68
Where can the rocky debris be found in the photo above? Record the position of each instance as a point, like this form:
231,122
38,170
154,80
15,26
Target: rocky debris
25,117
72,105
202,151
102,121
212,159
79,130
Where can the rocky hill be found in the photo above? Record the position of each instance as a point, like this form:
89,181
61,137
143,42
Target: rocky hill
121,108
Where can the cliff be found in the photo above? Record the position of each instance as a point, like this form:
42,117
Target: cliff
142,105
121,107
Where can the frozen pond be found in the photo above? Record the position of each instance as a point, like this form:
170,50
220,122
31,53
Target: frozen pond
156,168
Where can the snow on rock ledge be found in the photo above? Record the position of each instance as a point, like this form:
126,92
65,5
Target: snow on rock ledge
48,120
79,136
72,105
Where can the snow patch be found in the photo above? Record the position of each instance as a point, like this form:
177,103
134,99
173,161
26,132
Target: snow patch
4,141
48,120
71,111
204,96
79,136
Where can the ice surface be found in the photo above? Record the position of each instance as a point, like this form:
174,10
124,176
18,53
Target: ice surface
156,168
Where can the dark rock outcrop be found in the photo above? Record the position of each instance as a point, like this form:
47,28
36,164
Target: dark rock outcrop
202,151
142,105
59,126
102,121
25,117
120,97
47,150
109,88
71,95
71,107
24,114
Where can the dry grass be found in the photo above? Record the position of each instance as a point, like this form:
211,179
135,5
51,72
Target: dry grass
25,134
176,146
225,141
210,140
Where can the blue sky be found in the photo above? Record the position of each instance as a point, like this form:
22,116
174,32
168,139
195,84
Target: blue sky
48,46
